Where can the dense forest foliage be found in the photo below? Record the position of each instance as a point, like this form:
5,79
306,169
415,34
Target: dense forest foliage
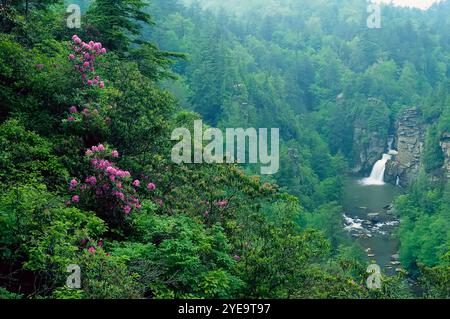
86,176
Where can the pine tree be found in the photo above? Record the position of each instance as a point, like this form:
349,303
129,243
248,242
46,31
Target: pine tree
117,23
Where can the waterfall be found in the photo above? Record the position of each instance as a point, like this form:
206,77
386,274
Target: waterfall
377,175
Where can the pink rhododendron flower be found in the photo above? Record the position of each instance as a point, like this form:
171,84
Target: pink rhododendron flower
136,183
100,244
73,183
115,154
151,186
73,109
91,180
206,214
222,203
119,195
75,199
91,249
111,170
127,209
85,111
71,56
101,148
90,82
76,39
102,85
71,119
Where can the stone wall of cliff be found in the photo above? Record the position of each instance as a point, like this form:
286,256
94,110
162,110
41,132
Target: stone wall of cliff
410,139
445,145
368,147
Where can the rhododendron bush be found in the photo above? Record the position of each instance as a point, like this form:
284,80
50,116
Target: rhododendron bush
109,189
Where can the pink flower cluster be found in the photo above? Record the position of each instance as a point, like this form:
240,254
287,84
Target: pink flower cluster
84,56
74,115
221,203
108,181
91,248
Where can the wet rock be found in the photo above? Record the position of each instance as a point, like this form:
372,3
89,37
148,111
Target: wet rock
395,257
367,223
374,217
391,211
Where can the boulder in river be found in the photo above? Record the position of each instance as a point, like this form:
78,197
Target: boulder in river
367,223
395,257
374,217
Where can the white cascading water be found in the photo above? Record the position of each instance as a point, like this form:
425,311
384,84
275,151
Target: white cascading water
377,175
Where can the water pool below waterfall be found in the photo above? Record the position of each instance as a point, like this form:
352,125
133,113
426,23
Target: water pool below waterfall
369,223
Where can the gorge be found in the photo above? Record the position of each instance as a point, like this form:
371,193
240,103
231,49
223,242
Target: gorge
368,216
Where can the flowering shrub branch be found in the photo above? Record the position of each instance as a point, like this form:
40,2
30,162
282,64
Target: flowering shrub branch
84,54
109,189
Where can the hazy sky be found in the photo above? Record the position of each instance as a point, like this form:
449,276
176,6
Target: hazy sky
422,4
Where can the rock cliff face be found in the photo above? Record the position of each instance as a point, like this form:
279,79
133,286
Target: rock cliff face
445,145
368,148
404,167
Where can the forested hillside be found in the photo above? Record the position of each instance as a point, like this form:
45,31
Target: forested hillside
338,91
86,176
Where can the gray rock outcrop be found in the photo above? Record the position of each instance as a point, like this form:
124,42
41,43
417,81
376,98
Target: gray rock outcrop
405,166
445,145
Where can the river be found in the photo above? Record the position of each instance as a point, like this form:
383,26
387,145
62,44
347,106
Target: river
369,223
